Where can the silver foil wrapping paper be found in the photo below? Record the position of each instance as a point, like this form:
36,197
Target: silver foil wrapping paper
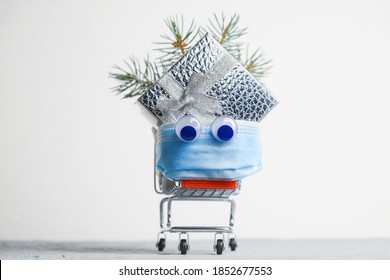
208,82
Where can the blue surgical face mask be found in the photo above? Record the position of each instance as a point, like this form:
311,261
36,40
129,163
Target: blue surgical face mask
207,157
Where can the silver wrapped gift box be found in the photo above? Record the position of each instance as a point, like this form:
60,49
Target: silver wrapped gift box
207,82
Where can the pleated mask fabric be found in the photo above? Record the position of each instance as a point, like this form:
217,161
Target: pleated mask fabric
207,158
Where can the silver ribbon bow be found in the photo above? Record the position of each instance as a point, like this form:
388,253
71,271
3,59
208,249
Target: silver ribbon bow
193,99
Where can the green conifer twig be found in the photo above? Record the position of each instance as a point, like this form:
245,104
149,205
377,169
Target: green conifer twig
138,78
226,32
256,63
177,42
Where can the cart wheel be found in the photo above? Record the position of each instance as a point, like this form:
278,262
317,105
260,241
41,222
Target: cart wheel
219,247
232,244
161,244
183,247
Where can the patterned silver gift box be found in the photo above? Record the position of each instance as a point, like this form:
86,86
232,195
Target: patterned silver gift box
208,82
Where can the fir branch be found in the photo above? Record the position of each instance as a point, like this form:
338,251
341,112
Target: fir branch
226,32
136,79
256,63
177,42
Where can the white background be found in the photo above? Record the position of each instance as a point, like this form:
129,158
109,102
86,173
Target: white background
76,161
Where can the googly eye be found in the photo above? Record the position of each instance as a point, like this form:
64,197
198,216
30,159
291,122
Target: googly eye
224,128
188,128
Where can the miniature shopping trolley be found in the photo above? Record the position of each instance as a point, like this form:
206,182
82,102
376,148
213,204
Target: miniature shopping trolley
206,110
203,162
194,190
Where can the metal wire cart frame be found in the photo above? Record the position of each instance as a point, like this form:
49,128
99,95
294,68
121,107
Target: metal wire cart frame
189,190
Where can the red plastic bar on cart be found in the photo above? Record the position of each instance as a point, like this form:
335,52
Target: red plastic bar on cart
207,184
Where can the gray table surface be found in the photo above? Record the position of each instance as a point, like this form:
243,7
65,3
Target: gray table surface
262,249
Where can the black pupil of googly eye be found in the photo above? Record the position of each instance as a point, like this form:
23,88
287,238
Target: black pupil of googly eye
225,133
188,133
